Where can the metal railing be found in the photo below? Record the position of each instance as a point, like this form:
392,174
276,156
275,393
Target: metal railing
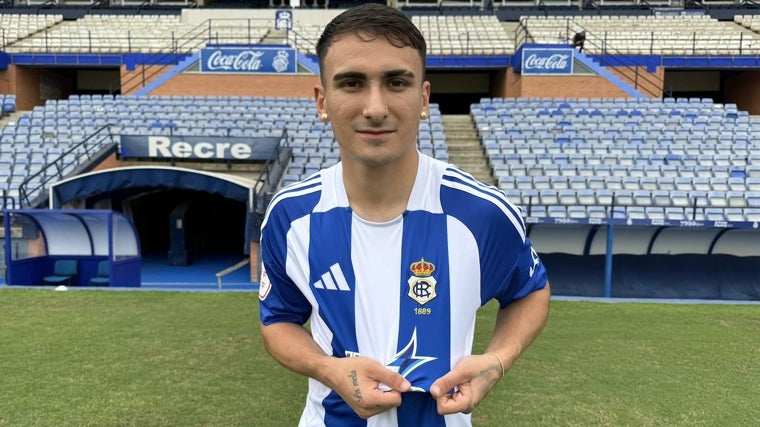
216,31
697,205
34,186
230,269
270,175
605,51
522,34
8,201
610,56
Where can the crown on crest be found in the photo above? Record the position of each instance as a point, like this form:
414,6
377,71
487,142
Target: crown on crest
422,268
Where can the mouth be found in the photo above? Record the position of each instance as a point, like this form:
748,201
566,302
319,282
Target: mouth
374,132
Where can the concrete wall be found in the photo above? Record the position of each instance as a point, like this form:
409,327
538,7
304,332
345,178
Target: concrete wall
578,86
33,86
197,84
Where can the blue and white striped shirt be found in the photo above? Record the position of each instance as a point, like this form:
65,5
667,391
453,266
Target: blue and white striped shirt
404,292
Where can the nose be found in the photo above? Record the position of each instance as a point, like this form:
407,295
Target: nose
376,107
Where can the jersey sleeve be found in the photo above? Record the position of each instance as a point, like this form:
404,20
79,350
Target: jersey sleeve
509,266
280,299
527,275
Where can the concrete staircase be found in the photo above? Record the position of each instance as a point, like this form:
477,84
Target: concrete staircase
12,117
464,147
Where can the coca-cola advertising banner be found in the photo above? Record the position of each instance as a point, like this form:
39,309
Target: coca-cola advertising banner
253,59
547,61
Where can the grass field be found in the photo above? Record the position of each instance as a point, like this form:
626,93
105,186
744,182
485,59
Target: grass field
105,358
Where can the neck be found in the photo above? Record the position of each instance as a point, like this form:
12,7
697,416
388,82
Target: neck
380,194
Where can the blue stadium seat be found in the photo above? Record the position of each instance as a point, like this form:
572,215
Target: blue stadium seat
556,211
655,213
753,199
673,213
636,212
714,214
752,214
64,273
734,214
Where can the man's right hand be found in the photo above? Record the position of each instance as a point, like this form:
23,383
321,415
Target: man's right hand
368,387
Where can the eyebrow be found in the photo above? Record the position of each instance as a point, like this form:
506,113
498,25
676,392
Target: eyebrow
363,76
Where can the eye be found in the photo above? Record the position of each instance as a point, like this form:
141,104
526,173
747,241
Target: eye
398,84
350,84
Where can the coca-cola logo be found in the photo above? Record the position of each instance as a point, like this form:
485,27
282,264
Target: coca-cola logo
556,61
246,60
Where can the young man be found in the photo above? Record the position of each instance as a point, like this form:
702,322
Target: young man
390,253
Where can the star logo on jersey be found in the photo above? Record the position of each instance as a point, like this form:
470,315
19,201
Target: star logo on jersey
533,255
407,360
422,283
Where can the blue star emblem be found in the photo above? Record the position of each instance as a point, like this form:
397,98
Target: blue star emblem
407,360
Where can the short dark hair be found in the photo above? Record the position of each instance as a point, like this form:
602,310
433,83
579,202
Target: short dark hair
373,20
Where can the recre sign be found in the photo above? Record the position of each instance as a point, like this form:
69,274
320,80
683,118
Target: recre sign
161,146
196,147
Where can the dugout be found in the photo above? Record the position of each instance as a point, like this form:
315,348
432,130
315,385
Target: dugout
640,261
36,239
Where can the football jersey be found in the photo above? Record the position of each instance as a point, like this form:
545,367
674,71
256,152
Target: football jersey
403,292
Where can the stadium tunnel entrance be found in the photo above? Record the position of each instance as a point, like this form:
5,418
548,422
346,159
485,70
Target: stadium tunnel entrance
183,217
454,92
34,84
168,220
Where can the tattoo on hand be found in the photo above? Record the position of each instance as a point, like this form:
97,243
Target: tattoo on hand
355,379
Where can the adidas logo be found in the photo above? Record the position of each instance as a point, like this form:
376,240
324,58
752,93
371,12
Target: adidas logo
333,280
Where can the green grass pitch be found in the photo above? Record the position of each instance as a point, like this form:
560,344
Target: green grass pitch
104,358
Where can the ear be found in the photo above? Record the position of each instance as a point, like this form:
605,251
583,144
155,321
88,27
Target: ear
426,96
319,98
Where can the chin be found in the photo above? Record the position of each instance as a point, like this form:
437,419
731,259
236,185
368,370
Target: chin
376,161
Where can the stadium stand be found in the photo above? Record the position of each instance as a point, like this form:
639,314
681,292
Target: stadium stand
40,137
135,33
17,26
675,175
464,34
622,149
687,34
447,35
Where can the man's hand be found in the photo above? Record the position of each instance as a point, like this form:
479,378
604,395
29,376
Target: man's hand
358,381
465,386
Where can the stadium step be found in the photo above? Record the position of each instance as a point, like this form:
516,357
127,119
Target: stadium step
275,37
464,147
12,117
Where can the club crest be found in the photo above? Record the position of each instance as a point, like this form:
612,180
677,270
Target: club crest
422,283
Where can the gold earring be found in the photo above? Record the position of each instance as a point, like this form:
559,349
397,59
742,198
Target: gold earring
386,109
423,115
324,117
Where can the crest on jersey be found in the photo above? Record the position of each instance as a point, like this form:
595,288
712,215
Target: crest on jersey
264,284
422,283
